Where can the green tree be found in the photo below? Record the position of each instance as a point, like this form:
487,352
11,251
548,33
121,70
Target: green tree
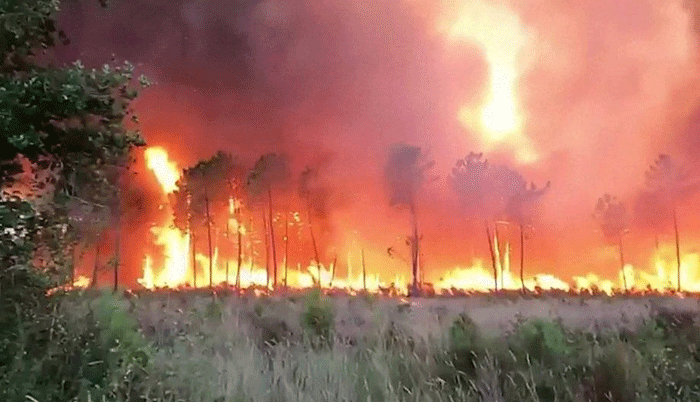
64,146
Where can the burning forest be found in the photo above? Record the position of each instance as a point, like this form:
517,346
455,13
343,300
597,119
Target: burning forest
363,128
397,200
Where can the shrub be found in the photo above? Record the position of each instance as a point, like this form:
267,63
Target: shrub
465,344
540,340
318,315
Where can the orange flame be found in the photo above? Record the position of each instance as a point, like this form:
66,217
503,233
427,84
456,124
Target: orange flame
177,270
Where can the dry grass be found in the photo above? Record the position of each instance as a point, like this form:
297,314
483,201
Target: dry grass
228,348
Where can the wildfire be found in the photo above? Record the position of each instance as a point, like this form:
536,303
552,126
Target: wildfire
165,170
177,266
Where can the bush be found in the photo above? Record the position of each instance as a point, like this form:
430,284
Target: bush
465,344
540,340
618,374
318,315
98,356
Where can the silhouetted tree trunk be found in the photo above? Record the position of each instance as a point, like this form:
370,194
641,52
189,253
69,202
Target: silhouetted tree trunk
622,263
414,251
117,250
194,258
364,272
522,257
678,247
228,242
211,260
93,282
286,247
240,247
267,251
493,255
250,248
500,256
335,260
272,239
313,243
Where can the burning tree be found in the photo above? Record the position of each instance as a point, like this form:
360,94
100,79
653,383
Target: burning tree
520,209
670,184
270,172
491,193
315,195
614,220
405,174
203,191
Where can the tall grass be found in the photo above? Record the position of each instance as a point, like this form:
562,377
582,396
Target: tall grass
184,347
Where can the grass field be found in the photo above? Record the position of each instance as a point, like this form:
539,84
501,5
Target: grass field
195,346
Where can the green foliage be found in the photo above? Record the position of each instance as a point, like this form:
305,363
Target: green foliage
466,345
540,340
67,357
618,374
318,316
64,130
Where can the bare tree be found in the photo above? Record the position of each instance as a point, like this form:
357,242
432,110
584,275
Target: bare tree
612,216
519,210
315,195
405,173
671,183
485,192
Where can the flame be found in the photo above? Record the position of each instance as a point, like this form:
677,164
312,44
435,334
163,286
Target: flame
165,170
502,37
174,268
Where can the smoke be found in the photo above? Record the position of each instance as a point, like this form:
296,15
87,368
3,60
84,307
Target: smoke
602,87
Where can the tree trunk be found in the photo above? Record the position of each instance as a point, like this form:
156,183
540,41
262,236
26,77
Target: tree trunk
93,282
116,254
678,248
194,257
272,239
286,248
211,260
250,248
364,272
414,252
267,252
313,243
228,242
622,263
493,256
335,260
240,245
522,257
500,255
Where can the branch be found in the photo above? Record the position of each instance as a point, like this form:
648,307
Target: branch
72,197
